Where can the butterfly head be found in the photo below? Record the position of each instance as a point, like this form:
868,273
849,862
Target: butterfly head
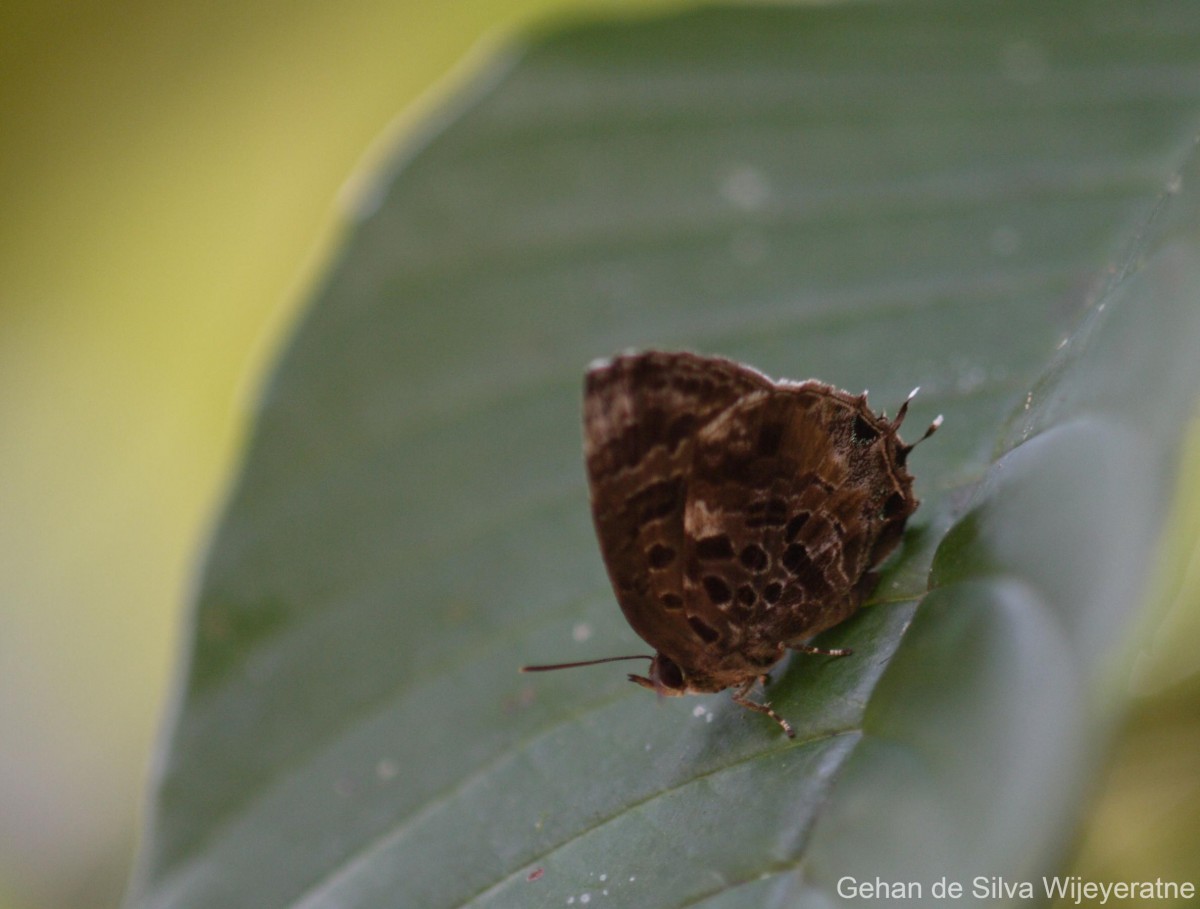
665,677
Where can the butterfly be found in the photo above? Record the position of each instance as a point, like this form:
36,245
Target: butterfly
737,516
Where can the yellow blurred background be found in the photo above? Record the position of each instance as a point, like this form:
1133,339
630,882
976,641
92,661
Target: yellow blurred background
169,175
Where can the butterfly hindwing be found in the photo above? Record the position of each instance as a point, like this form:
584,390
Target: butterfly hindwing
785,501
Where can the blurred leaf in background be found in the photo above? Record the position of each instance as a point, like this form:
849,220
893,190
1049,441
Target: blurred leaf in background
168,174
998,201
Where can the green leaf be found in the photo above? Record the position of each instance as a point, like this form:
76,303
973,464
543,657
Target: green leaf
965,197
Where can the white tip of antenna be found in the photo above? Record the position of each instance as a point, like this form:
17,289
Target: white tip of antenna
937,421
912,394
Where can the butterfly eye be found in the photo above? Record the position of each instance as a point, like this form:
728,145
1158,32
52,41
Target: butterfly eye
665,671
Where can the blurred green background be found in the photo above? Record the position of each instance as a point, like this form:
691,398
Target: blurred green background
169,182
169,177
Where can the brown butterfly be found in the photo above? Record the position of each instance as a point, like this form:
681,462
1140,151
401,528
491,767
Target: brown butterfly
737,516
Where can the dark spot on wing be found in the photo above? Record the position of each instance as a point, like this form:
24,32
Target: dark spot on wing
671,601
754,557
707,633
715,547
717,590
660,556
863,431
794,526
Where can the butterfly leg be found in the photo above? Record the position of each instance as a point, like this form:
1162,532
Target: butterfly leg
846,609
821,651
740,698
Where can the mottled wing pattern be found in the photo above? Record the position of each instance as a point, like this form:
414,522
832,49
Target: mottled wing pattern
796,492
642,413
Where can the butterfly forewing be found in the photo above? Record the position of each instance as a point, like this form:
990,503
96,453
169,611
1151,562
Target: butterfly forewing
641,416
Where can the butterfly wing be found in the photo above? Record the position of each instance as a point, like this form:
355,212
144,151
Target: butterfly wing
642,413
796,492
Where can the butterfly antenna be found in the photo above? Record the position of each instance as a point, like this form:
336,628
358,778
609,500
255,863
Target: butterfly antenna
552,666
